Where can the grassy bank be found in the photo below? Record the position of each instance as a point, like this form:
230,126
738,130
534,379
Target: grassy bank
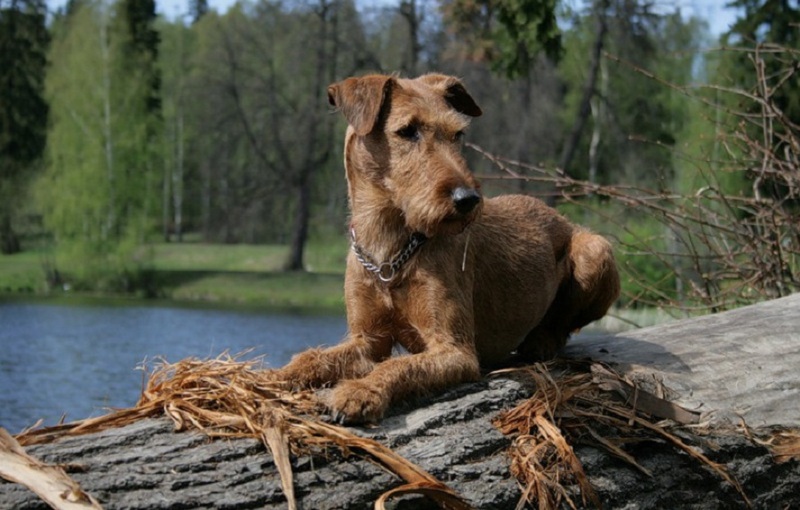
224,274
22,273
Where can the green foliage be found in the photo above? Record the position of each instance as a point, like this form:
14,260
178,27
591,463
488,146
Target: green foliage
23,116
141,49
197,9
262,118
525,28
766,21
648,277
508,33
97,192
636,117
23,110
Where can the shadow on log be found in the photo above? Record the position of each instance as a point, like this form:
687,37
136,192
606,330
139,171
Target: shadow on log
733,368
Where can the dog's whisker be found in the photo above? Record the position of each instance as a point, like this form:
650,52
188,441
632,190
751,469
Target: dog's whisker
464,258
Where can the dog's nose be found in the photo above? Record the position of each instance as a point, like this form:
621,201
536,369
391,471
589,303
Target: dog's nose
465,199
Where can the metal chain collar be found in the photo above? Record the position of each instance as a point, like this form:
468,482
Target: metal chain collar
386,271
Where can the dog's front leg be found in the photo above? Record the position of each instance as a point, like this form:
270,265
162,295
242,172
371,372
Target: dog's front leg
354,357
398,378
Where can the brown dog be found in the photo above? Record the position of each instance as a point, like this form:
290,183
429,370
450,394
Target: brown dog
458,280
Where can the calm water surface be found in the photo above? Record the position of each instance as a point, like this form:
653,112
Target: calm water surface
81,360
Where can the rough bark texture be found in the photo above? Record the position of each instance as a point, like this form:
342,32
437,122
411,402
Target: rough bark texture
740,361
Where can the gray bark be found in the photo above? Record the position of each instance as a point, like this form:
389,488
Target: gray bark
744,361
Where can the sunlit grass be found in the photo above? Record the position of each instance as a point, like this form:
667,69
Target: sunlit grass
319,257
22,273
217,257
251,274
308,291
213,273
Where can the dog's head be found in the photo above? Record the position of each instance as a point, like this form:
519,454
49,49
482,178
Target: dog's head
404,141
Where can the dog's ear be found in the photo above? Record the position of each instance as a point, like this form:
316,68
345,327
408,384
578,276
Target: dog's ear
454,93
360,100
461,101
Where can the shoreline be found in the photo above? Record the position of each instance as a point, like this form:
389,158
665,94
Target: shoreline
79,298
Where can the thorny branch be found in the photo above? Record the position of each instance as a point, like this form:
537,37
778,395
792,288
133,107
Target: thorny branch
729,249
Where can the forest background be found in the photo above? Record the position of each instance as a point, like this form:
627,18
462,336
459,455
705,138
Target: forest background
135,149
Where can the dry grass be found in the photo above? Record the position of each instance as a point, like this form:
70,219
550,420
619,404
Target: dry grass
230,398
783,444
574,401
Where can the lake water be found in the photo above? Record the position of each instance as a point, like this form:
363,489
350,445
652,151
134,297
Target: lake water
81,360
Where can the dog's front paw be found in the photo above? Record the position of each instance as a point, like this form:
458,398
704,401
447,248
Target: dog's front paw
287,379
355,401
305,371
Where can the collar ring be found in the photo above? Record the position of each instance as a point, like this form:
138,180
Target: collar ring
386,272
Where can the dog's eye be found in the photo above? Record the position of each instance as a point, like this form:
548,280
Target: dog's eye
410,132
458,137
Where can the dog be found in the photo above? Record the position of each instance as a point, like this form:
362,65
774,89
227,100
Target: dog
459,280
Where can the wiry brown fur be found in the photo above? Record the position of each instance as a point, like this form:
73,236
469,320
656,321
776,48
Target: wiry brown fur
510,275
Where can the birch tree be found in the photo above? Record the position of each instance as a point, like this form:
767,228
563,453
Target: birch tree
175,69
96,191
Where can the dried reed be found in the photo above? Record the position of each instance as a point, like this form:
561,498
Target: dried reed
571,400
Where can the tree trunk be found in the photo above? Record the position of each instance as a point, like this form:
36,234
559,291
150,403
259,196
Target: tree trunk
225,207
300,230
598,117
589,89
165,228
523,140
205,199
107,130
319,146
177,179
9,242
408,10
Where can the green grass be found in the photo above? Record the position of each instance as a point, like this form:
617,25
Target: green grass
216,257
304,291
319,257
22,273
248,275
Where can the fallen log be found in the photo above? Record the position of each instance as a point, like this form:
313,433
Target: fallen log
735,371
741,364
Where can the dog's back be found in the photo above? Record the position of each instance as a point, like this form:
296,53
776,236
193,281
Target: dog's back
519,249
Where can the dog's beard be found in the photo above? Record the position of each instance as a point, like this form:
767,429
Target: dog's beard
454,226
449,225
435,217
